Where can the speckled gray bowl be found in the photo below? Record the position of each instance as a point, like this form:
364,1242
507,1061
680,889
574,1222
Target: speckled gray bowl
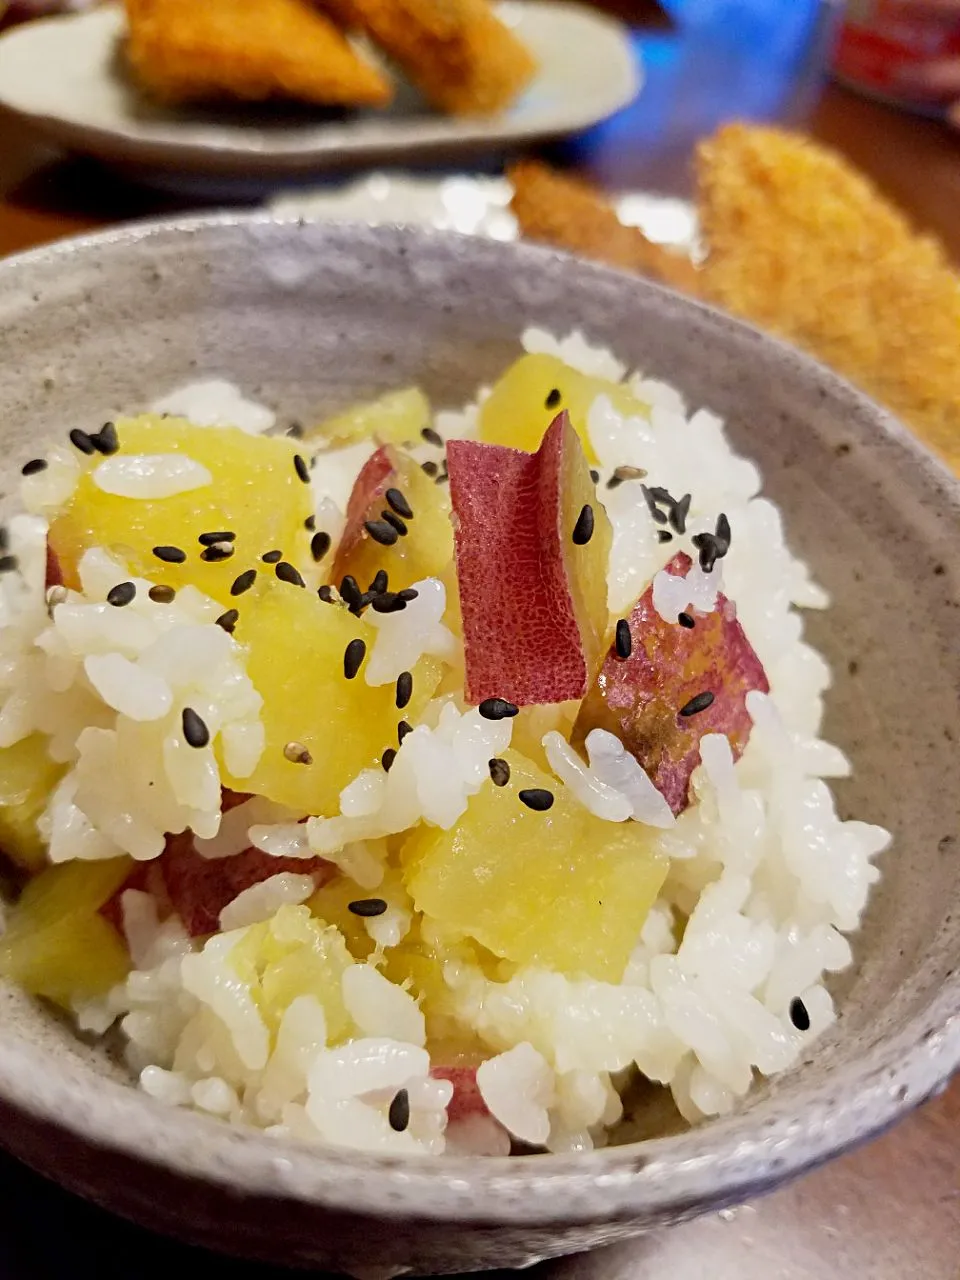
309,318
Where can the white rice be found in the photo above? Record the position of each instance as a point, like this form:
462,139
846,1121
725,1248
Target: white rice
766,875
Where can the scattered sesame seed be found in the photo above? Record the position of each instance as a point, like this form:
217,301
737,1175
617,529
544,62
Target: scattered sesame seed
80,440
243,582
398,1114
310,523
404,689
329,595
403,728
614,482
706,544
626,472
387,759
320,544
106,440
594,475
499,771
442,478
686,620
121,594
399,503
388,602
271,557
229,620
429,468
664,536
497,709
56,594
367,907
583,529
297,753
652,507
408,594
395,522
287,573
350,592
380,582
799,1015
432,437
678,516
723,530
4,538
170,555
553,398
219,551
8,564
536,798
209,539
161,594
194,730
699,702
34,467
381,532
301,468
624,640
353,657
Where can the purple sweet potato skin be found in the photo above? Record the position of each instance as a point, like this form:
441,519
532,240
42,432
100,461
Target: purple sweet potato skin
639,698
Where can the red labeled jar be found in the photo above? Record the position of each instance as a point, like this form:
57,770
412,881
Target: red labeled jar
882,41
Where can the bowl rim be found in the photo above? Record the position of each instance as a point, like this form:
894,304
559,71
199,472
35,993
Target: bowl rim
723,1161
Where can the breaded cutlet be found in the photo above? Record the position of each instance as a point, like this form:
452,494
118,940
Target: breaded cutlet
458,53
802,244
565,212
199,50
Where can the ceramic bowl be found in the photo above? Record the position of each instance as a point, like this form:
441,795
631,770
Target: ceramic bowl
311,317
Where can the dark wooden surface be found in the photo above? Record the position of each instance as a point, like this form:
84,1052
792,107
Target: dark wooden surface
890,1211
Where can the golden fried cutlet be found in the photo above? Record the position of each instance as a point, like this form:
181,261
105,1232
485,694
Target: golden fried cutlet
572,215
196,50
457,52
803,245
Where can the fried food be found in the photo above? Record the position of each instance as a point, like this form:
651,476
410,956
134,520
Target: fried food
570,214
803,245
197,50
458,53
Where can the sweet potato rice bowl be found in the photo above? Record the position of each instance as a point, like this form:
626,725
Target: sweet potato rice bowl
417,782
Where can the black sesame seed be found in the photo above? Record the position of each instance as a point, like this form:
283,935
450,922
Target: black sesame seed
387,759
614,482
706,544
723,533
497,709
310,523
229,620
387,602
553,398
353,657
429,468
320,544
106,440
34,467
219,551
399,1112
381,532
194,730
536,798
699,702
161,594
404,689
664,536
4,537
583,529
328,594
301,468
8,564
208,539
686,620
395,522
679,513
170,555
271,557
80,440
499,771
350,591
380,582
121,594
367,907
652,507
594,475
403,728
432,437
408,594
799,1015
624,640
243,582
399,503
442,478
287,573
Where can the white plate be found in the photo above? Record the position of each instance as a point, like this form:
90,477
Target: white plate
64,76
473,206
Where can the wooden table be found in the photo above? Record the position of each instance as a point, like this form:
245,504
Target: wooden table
888,1212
